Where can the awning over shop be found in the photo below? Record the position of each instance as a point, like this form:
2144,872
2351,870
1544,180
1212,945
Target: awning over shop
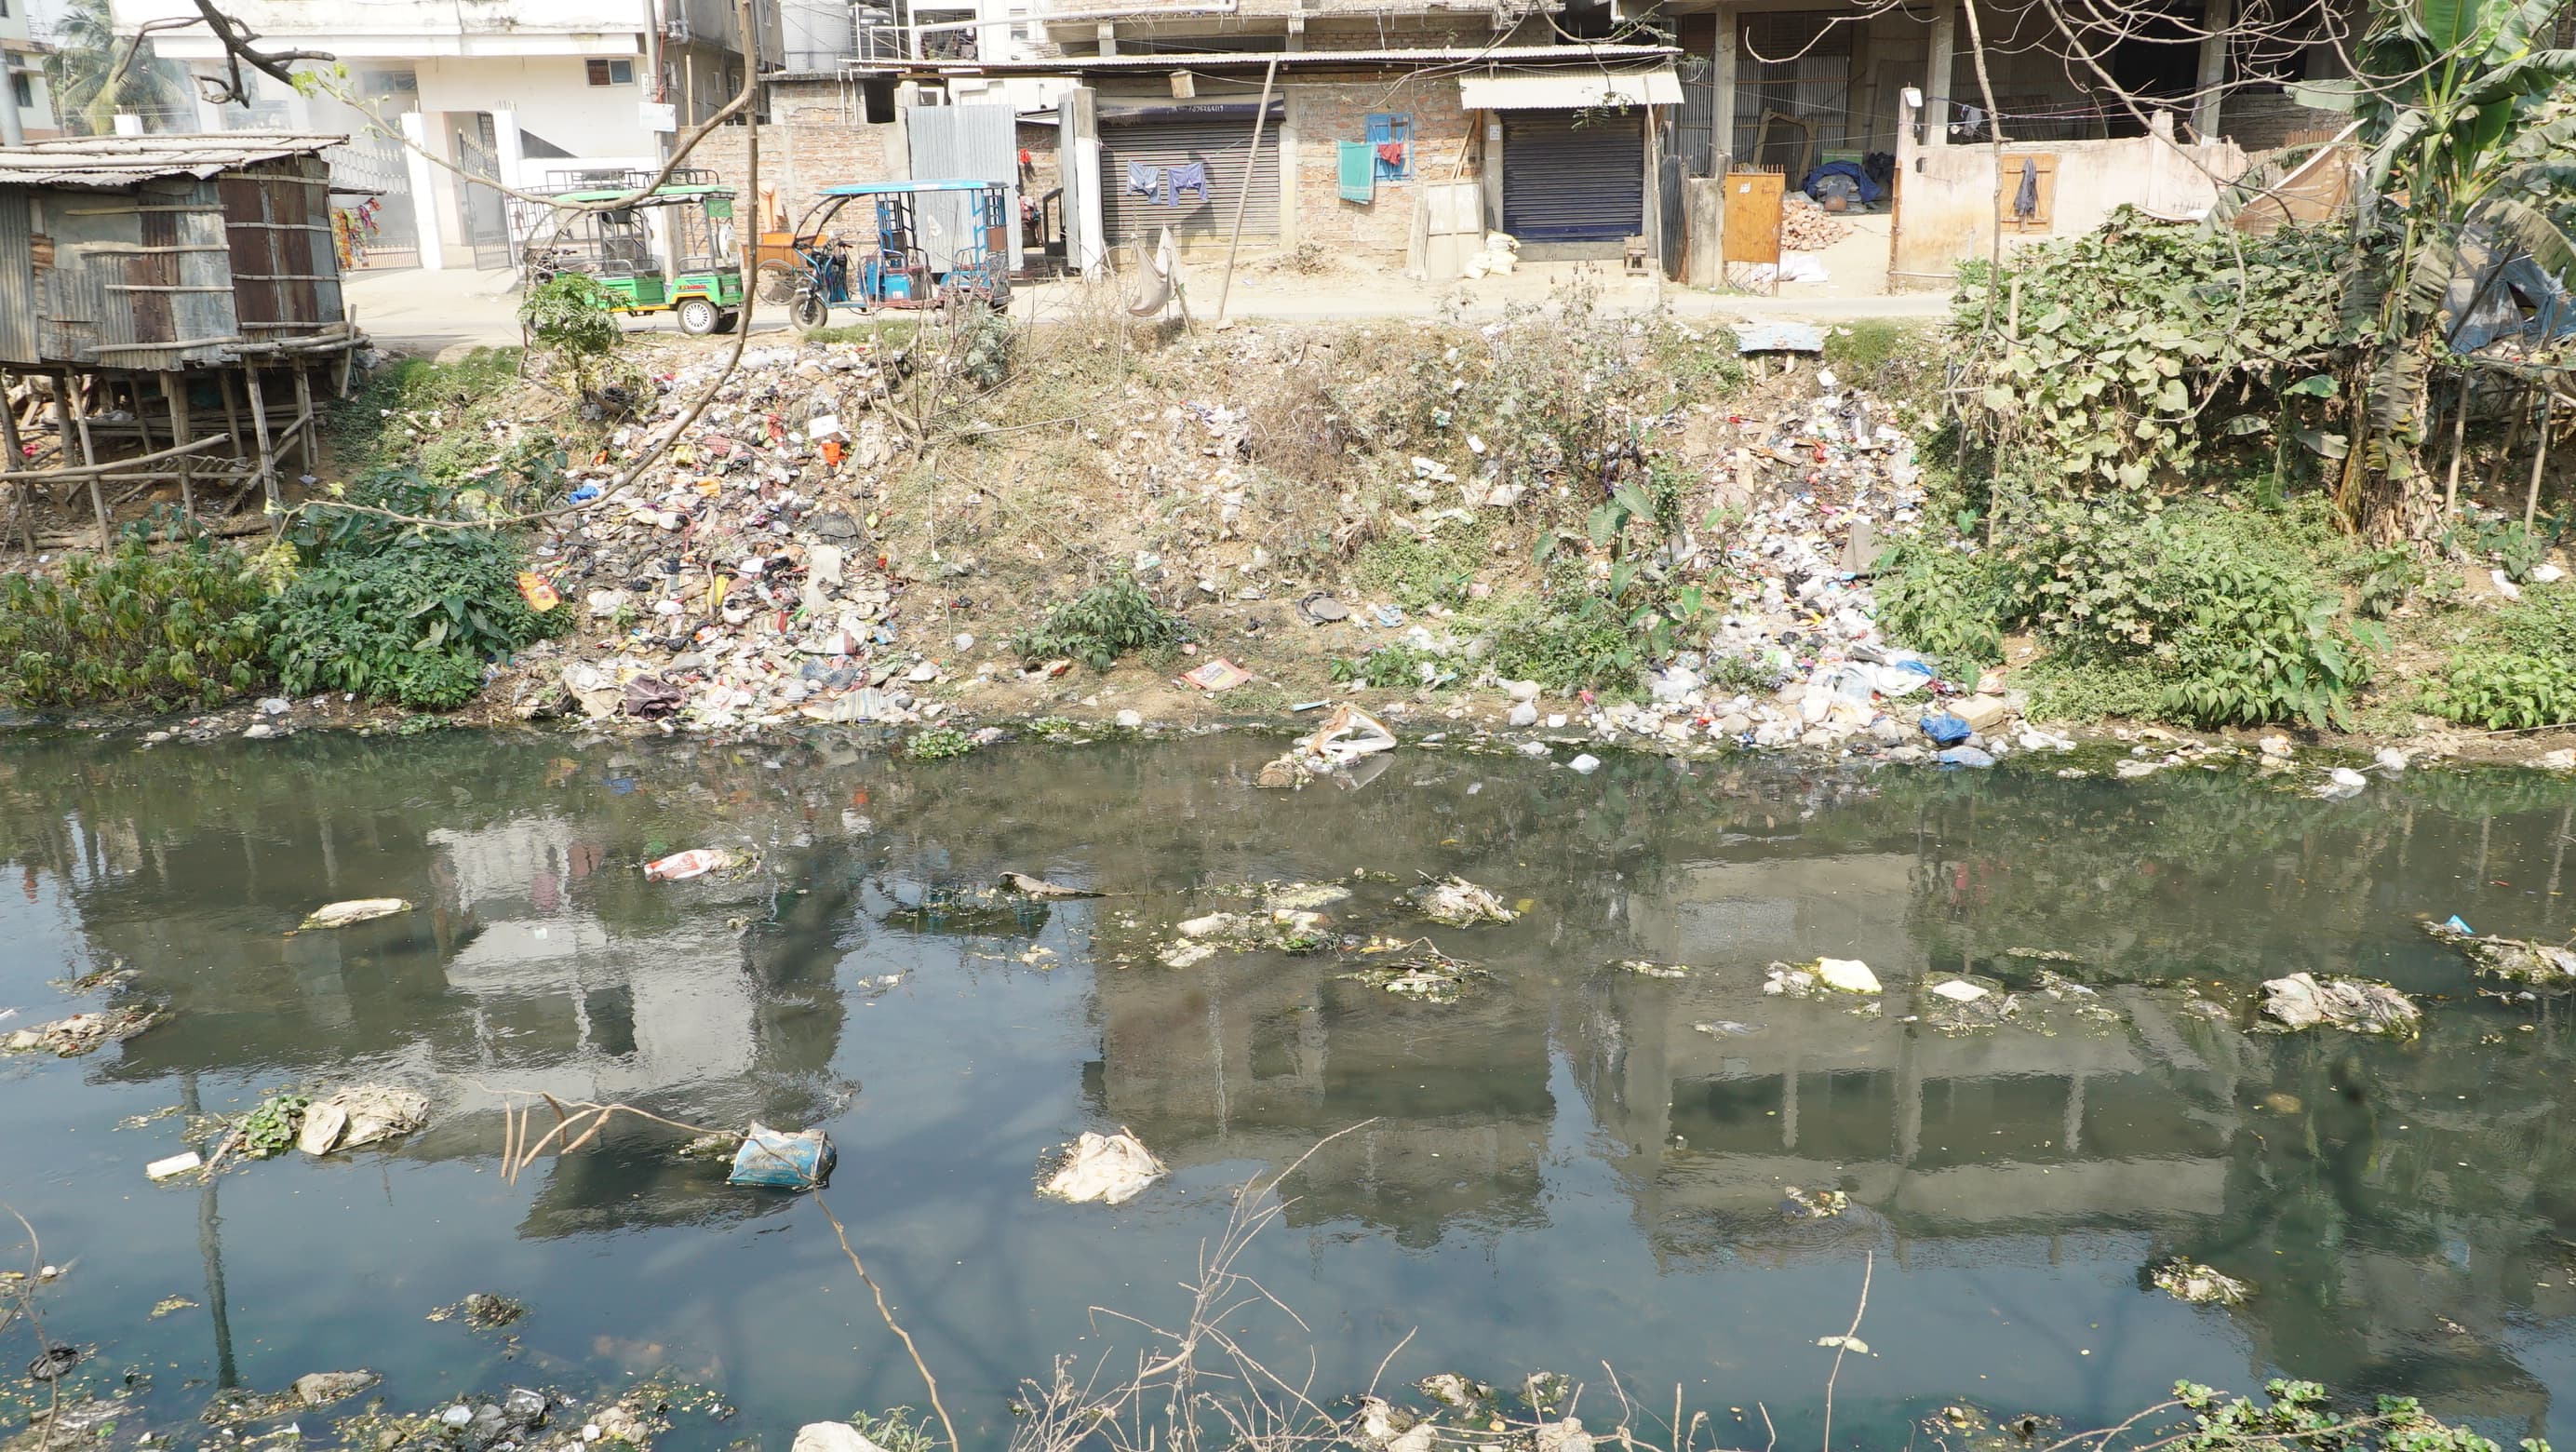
1570,90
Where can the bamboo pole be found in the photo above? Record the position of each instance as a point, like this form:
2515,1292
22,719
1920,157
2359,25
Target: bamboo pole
2539,458
1251,169
71,401
176,393
26,490
304,451
2459,445
259,428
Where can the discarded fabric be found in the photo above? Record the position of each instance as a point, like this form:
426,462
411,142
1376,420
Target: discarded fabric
1110,1168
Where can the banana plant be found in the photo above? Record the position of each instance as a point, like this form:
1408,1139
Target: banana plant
2455,101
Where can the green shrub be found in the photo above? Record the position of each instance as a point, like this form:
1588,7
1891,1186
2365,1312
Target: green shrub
1568,642
2501,690
1939,599
412,622
1391,667
569,314
2299,1415
2228,614
1422,573
162,631
2542,622
1101,624
2218,608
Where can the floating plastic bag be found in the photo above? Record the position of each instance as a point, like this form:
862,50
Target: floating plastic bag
783,1159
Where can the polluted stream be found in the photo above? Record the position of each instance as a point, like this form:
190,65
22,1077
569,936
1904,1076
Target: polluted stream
1568,1128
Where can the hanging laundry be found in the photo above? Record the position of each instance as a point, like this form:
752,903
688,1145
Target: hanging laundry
1143,179
2026,200
1391,155
1185,176
1358,171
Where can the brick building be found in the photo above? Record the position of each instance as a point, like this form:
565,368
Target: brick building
1548,139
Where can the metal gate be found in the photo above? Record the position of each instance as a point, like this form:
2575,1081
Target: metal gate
961,143
1573,176
1137,146
480,214
1795,67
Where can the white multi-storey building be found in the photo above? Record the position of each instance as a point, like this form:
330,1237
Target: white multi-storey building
26,72
518,89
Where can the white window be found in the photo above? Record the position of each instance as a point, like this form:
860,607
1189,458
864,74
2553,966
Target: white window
612,72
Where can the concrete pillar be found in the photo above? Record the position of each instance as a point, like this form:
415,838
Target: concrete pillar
1085,232
1108,33
1287,141
1721,121
424,190
2221,20
1936,73
509,149
1492,174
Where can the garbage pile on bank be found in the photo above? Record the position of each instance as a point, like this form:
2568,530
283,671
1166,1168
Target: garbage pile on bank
738,580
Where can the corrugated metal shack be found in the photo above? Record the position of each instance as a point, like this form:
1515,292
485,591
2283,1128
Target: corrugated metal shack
165,304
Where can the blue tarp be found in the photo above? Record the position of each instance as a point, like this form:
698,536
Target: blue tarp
1870,191
2512,298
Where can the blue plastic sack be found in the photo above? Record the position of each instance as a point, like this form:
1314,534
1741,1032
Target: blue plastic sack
1965,756
783,1159
2456,926
1946,729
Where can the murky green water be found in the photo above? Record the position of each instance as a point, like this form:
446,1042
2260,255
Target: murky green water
1557,1172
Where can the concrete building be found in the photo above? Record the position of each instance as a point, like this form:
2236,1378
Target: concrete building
27,86
523,91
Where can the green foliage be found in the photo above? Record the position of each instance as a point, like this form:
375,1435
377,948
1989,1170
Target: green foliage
1578,642
2501,690
1096,627
1423,571
161,630
938,743
569,313
2299,1416
1875,352
2219,608
2514,547
1389,667
1938,598
897,1431
270,1128
984,342
2143,344
409,619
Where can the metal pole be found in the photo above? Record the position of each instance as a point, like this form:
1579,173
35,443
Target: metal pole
1251,168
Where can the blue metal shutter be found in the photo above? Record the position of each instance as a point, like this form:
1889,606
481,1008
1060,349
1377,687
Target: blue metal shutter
1570,182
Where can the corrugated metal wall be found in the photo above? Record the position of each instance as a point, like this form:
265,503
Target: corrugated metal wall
1573,177
1223,143
17,280
174,286
962,143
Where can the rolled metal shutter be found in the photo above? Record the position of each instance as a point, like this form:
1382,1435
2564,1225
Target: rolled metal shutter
1564,182
1223,142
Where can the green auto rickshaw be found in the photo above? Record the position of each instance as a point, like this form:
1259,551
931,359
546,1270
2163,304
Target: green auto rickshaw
703,287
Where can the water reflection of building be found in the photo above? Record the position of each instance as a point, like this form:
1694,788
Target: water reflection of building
1250,1063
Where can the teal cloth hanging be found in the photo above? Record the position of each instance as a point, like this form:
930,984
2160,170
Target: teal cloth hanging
1359,171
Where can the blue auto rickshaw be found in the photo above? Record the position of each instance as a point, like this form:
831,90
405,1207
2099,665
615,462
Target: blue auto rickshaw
894,267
